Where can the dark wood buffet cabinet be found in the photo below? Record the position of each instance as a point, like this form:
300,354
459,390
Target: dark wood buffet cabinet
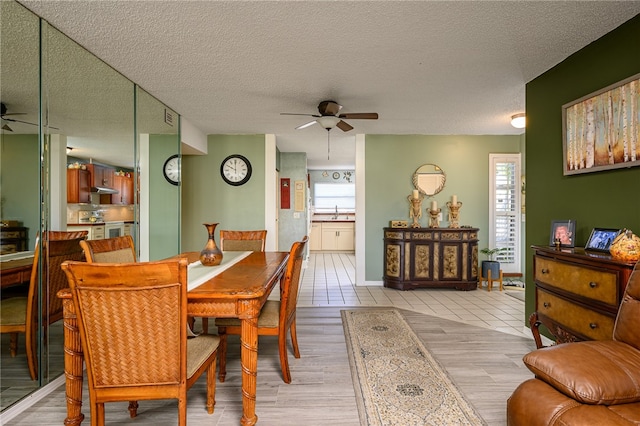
577,292
431,257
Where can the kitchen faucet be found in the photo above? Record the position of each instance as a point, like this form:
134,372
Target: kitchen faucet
335,216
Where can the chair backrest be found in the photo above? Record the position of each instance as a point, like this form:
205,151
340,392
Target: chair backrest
110,250
290,283
54,248
132,319
243,240
628,319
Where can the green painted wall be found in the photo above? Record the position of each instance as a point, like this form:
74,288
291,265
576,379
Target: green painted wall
391,161
164,202
601,199
19,181
293,165
207,198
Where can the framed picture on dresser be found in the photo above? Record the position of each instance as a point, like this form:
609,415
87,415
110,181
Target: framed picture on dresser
601,239
562,231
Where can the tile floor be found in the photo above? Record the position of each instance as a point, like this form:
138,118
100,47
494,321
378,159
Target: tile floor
328,280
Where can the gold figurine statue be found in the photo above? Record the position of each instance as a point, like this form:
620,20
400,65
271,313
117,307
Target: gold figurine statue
415,208
434,215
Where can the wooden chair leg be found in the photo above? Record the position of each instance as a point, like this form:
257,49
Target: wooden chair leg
211,387
284,361
205,325
13,344
182,410
133,409
222,353
294,338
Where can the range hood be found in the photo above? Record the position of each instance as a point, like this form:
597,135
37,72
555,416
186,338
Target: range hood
103,190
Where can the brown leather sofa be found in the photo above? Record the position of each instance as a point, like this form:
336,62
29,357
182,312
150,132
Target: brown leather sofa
586,383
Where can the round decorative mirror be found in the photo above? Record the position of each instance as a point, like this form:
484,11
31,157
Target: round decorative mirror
429,179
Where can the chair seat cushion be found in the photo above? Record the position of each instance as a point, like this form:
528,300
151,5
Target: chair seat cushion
569,368
268,318
198,350
13,311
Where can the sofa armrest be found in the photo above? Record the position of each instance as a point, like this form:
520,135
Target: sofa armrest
592,372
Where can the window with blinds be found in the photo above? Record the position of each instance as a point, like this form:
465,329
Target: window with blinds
504,210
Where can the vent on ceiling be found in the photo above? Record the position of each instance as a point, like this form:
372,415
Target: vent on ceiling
168,117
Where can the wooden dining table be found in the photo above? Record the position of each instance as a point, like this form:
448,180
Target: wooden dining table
239,291
16,271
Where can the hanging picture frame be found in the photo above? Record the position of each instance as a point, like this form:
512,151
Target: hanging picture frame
601,131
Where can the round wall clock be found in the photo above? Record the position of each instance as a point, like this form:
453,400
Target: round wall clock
171,169
235,170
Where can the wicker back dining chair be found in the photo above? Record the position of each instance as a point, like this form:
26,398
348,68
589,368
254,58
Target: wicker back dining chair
243,240
132,319
20,314
276,317
110,250
239,241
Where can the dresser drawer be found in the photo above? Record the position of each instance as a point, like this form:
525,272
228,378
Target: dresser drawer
590,324
594,284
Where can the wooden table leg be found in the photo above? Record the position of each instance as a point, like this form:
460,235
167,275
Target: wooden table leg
249,362
73,360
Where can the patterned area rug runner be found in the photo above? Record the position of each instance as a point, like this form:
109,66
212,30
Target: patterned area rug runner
397,381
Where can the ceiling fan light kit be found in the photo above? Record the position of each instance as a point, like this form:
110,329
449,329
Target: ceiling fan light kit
328,121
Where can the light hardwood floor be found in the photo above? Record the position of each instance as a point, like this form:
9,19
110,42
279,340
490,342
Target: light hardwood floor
476,336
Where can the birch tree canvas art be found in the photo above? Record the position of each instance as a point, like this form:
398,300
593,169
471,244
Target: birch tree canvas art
601,131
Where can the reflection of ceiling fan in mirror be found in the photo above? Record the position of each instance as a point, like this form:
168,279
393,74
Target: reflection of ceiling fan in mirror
329,116
4,115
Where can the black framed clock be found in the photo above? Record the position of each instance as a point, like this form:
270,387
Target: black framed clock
235,170
171,169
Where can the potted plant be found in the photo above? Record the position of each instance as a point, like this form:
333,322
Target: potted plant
491,265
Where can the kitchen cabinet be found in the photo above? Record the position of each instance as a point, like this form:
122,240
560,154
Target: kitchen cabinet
578,293
430,258
78,186
124,186
101,175
315,239
338,236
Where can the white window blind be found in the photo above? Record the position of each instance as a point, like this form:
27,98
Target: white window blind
504,210
328,196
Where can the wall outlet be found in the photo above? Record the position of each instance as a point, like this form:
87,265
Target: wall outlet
296,215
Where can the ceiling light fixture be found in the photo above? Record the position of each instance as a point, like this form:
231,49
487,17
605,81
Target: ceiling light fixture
518,120
328,121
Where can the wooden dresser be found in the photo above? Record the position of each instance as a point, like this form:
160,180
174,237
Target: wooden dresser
577,293
431,257
13,239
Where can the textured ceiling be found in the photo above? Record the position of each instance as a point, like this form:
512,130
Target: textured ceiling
426,67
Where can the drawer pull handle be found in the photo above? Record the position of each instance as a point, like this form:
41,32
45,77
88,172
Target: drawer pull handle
593,325
593,284
546,304
544,271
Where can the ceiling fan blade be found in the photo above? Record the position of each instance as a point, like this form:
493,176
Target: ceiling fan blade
304,126
360,116
293,113
344,126
26,122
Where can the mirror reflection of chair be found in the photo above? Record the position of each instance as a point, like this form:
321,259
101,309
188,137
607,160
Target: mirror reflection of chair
243,240
276,317
110,250
20,314
132,319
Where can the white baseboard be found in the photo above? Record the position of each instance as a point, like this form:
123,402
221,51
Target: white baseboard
26,402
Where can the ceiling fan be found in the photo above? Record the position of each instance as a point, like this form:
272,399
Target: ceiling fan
4,114
330,116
